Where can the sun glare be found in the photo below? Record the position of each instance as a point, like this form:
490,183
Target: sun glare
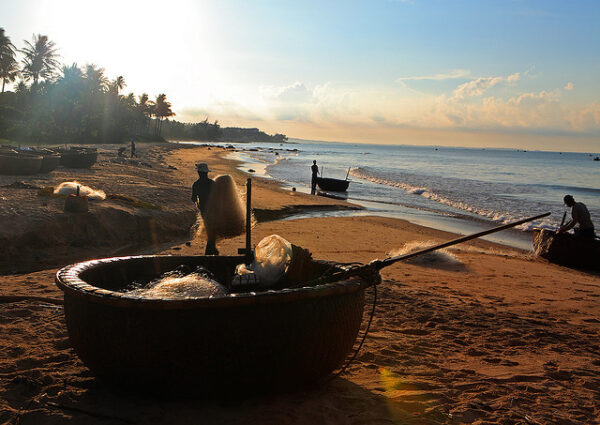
151,44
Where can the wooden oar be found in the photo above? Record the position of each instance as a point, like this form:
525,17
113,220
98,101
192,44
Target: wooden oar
377,265
563,219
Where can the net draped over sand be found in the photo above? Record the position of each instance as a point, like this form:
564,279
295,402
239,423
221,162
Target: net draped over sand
70,188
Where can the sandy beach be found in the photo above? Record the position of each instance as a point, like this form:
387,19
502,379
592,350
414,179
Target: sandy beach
497,337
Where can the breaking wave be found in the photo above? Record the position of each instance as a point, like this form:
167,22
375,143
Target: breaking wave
492,211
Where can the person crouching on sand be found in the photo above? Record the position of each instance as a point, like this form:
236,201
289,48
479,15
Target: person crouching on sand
581,216
200,194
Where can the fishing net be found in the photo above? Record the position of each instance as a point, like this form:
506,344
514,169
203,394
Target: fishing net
272,259
180,284
225,214
70,188
440,258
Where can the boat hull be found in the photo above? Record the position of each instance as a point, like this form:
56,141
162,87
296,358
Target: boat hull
566,249
78,159
49,163
336,185
269,341
20,164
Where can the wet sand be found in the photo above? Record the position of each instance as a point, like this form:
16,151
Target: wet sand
500,337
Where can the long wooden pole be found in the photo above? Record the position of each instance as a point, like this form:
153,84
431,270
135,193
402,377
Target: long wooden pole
377,265
249,221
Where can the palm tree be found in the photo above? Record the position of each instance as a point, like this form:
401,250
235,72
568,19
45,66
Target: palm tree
162,110
145,108
96,80
71,73
9,69
6,47
117,84
40,59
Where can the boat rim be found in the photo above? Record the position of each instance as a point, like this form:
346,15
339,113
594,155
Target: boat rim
69,281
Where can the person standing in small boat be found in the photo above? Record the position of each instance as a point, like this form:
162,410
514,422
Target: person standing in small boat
313,182
580,216
200,194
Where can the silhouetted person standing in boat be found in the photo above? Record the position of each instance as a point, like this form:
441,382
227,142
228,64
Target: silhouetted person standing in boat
313,182
200,194
580,216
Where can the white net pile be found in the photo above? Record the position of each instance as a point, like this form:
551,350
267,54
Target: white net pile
272,258
70,188
193,285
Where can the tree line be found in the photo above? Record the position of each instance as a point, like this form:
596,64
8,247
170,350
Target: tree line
66,104
56,103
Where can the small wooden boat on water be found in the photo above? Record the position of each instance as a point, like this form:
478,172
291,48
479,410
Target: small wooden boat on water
335,185
19,163
567,249
78,157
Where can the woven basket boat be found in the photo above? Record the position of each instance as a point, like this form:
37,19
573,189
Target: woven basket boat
242,343
566,249
13,163
78,158
49,162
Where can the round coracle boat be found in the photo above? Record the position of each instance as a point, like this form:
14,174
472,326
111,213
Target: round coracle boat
78,158
236,343
49,162
19,163
566,249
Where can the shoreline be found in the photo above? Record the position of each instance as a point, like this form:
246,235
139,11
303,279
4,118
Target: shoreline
519,239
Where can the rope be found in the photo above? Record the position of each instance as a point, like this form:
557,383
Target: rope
362,341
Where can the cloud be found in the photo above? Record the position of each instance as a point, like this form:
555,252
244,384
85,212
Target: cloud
478,86
513,78
454,74
219,109
471,106
295,93
569,86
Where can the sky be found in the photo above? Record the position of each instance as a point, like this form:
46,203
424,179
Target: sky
512,73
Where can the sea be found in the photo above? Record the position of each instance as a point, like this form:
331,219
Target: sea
462,190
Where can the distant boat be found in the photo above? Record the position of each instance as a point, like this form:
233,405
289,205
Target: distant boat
335,185
79,157
597,158
567,249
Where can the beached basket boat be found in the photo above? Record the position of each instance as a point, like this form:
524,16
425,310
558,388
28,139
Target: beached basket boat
242,343
567,249
50,160
19,163
78,158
